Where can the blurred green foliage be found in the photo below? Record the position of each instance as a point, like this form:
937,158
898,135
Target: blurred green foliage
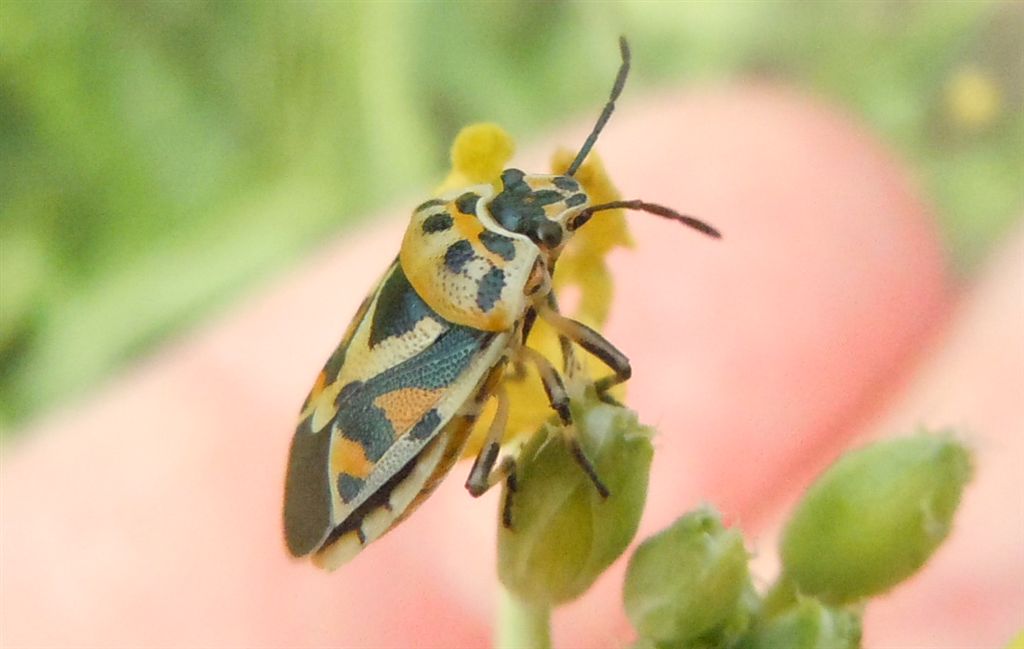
160,157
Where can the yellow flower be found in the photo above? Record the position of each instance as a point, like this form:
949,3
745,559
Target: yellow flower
479,154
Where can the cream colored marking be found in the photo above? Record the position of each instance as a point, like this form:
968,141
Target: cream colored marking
380,520
405,491
322,407
364,363
376,523
338,553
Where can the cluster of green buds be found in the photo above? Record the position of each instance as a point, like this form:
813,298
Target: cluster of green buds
869,522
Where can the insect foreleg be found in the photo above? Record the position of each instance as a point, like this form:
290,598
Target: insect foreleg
484,474
597,345
559,399
568,355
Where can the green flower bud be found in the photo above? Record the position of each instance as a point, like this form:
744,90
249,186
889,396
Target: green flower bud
874,517
688,586
564,534
808,624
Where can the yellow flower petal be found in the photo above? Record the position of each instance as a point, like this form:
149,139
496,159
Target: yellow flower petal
583,262
479,154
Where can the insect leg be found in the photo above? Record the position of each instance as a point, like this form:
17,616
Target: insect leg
484,474
539,288
568,355
597,345
559,399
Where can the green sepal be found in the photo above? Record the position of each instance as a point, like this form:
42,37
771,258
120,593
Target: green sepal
564,534
808,624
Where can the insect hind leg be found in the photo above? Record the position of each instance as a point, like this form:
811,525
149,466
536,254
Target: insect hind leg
484,473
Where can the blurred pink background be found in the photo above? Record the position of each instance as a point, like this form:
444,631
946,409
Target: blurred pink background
150,514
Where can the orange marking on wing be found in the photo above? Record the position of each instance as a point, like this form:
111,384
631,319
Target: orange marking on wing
348,456
405,407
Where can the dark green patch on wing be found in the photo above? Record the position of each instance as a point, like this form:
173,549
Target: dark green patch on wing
436,367
307,490
398,309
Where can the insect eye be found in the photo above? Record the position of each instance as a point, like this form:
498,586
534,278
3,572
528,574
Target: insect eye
549,234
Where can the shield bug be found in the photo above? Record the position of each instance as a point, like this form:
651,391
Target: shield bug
393,407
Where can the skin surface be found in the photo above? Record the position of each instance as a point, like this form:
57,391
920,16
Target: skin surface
150,513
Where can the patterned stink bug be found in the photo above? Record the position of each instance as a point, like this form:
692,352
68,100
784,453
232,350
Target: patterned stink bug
392,409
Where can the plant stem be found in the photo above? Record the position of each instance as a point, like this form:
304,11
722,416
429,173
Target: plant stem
522,625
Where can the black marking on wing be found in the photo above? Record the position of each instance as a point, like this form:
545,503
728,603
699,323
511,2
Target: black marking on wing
436,367
308,488
458,255
307,492
489,291
425,427
398,308
499,244
348,486
377,499
439,222
346,391
334,364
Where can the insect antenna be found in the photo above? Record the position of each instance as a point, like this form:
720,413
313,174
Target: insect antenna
652,208
620,82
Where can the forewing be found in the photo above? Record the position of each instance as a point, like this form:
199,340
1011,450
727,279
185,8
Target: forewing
402,375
